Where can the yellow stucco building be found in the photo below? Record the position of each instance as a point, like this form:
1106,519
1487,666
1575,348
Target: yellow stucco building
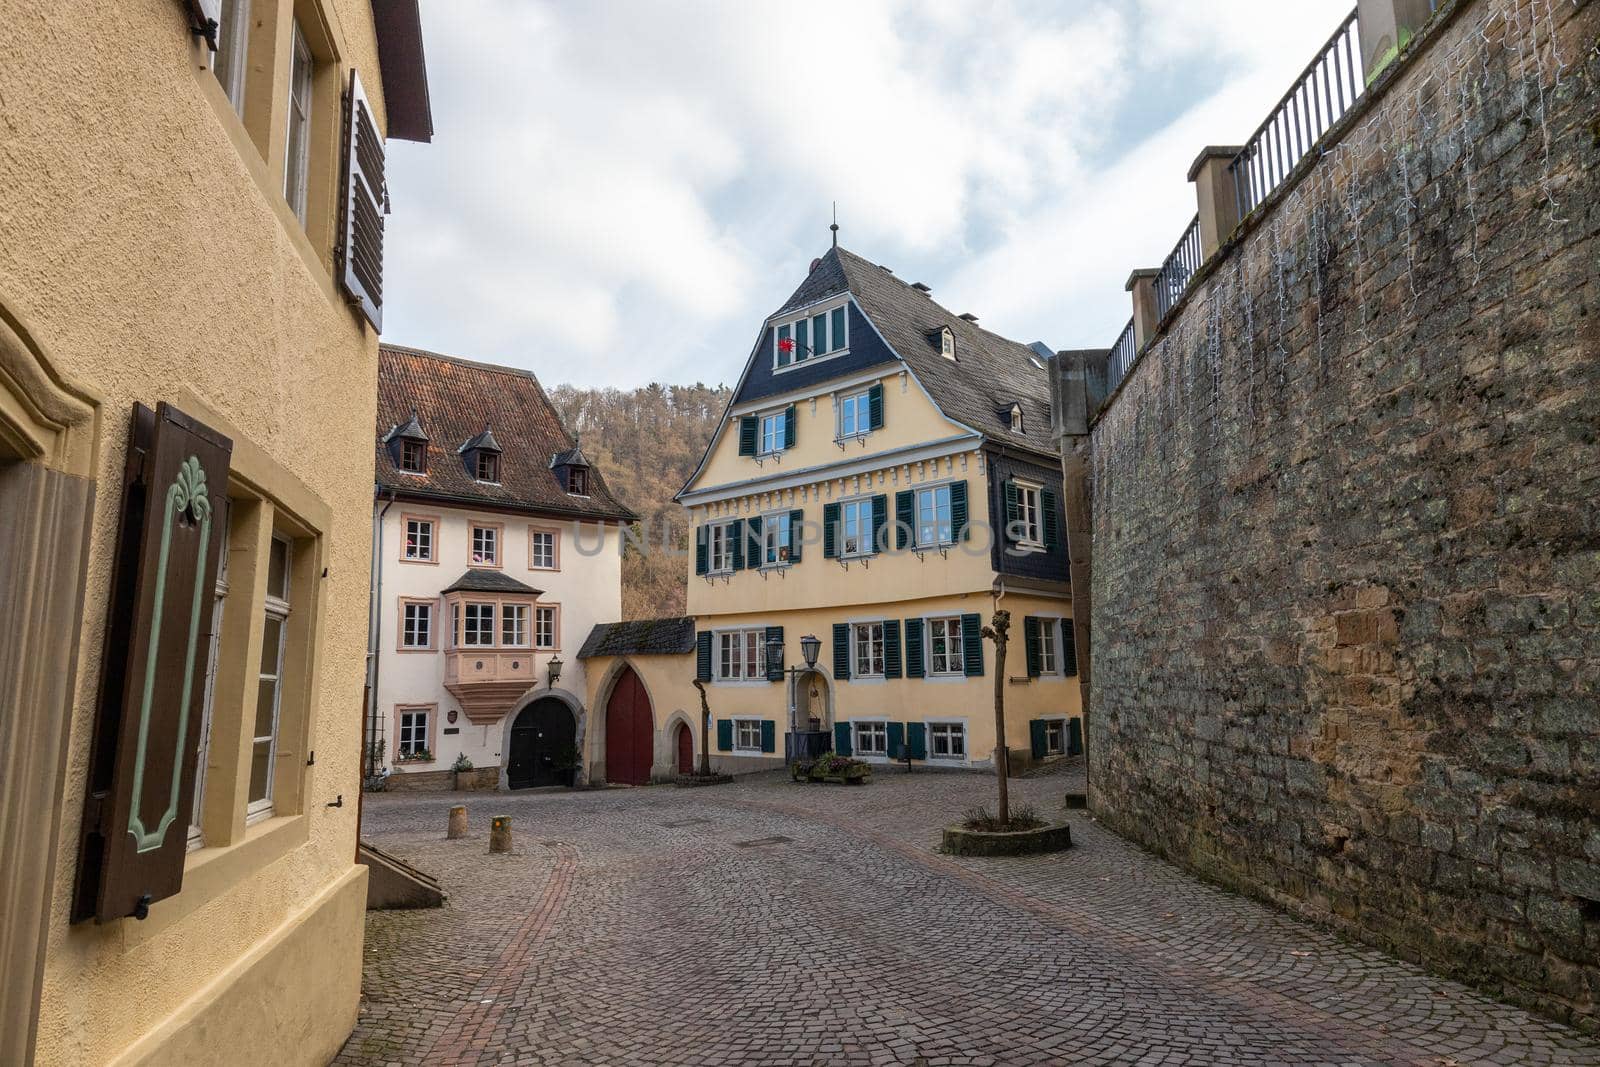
883,480
192,200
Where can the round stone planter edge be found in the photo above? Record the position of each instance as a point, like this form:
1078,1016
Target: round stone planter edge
959,841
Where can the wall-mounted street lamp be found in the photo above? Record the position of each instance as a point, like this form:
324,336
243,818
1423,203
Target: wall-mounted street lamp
810,645
554,669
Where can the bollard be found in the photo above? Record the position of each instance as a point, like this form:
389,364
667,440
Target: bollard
500,834
458,823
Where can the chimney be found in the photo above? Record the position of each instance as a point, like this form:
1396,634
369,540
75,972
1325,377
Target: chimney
970,317
923,289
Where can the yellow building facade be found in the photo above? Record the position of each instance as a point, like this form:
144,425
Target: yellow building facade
882,482
190,289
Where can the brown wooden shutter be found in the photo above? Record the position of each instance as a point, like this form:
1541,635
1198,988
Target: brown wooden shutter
365,203
152,684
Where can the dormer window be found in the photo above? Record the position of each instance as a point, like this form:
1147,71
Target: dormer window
482,456
797,340
944,339
1016,418
571,469
413,457
578,481
408,445
488,467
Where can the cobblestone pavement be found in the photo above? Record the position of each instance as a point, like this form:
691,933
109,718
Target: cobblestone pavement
773,923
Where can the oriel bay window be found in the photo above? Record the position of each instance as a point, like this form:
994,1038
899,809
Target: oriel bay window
477,625
514,625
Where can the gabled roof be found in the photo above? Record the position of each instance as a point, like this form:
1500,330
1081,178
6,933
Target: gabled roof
410,429
477,580
483,442
456,399
571,457
643,637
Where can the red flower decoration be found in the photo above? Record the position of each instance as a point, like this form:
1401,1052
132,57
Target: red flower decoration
786,344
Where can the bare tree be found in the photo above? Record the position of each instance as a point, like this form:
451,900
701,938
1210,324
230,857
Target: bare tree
705,729
997,630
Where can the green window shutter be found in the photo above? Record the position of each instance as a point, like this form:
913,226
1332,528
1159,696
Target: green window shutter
724,735
769,736
880,522
784,358
1030,639
748,428
788,426
797,520
702,657
1052,527
1036,735
1069,649
875,407
841,739
891,648
972,646
701,536
1013,510
830,531
958,510
917,739
914,648
905,518
897,740
841,650
736,533
774,636
755,550
1074,736
819,334
838,328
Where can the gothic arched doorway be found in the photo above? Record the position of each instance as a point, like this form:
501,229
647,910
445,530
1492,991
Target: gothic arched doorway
630,731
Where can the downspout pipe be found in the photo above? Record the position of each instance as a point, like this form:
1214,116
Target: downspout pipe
375,601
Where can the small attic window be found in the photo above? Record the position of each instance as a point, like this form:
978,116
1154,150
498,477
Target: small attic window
1015,418
487,467
578,481
413,457
944,339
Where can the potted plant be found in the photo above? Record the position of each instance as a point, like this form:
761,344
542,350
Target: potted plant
828,767
416,755
460,766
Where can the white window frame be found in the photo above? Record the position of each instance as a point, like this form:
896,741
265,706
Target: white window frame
423,712
471,625
416,619
423,526
1029,514
490,538
954,653
539,562
775,540
865,545
517,616
278,608
197,838
778,420
939,540
860,404
1016,419
831,349
297,159
233,44
722,659
933,725
541,613
856,647
878,727
740,725
719,543
1057,723
1049,627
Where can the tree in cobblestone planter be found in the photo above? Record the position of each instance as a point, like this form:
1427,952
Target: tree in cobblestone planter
997,631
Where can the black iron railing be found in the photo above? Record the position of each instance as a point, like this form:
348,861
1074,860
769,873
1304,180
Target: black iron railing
1122,354
1177,269
1324,91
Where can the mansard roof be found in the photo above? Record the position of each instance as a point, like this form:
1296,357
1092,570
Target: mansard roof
457,400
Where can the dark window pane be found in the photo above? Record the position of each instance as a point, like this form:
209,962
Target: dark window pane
278,569
271,642
266,699
260,769
838,328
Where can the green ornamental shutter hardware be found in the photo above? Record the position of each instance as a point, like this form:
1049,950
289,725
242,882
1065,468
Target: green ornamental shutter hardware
702,656
905,519
959,528
1052,527
917,739
1069,649
972,647
724,735
769,736
830,531
1037,736
841,739
897,740
736,534
880,522
841,650
1030,636
914,648
774,637
748,427
797,519
875,407
1013,511
788,426
891,648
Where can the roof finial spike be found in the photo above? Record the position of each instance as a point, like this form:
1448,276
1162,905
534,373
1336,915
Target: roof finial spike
835,226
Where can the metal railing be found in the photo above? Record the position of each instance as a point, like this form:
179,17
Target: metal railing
1324,91
1121,358
1177,269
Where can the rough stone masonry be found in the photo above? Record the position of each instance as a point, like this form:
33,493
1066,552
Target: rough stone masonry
1346,581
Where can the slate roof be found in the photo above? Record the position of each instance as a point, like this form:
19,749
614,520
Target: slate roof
643,637
455,401
478,580
484,441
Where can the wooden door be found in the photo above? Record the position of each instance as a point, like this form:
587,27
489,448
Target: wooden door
685,750
542,746
630,732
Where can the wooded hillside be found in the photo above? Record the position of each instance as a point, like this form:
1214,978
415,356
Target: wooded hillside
646,442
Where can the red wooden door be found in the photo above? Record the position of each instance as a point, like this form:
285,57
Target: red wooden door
685,750
630,732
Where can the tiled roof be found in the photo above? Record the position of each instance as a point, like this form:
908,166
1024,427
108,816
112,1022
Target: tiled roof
478,580
990,372
456,401
643,637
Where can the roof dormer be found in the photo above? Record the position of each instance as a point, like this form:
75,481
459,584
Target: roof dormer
482,457
408,445
572,471
1012,417
944,339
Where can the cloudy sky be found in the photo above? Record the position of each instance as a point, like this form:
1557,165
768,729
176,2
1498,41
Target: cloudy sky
620,191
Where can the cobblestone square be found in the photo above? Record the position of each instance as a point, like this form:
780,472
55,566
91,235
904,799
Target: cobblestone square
774,923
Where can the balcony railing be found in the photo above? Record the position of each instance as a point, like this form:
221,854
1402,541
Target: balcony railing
1178,269
1122,355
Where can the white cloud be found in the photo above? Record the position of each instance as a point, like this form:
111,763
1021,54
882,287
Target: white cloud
620,192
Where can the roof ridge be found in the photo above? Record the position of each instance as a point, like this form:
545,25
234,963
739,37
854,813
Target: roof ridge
462,361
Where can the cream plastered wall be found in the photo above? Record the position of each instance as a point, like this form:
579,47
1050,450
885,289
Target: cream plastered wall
965,567
910,420
669,683
147,241
587,588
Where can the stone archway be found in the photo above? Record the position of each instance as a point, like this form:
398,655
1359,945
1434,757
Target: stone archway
543,749
629,730
811,700
526,701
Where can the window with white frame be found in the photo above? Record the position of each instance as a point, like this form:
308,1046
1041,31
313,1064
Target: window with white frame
775,538
855,528
947,740
228,61
933,517
416,630
486,545
544,627
855,415
1055,737
773,437
269,685
868,640
823,334
719,548
219,596
413,739
455,626
740,654
419,540
542,549
871,737
944,646
478,626
1030,527
297,161
1048,660
514,625
747,735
